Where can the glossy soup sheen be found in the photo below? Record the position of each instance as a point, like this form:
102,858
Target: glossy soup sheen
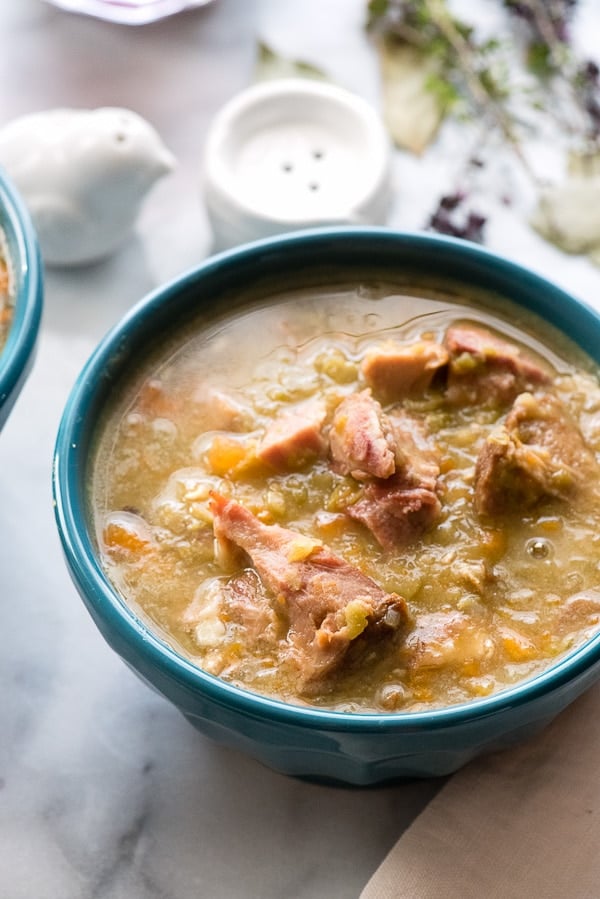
490,600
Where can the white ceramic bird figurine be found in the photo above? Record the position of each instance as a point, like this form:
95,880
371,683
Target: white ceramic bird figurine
83,174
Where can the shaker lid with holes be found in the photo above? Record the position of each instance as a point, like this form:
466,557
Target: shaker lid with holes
294,153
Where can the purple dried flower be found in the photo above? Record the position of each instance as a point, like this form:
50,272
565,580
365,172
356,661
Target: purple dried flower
468,225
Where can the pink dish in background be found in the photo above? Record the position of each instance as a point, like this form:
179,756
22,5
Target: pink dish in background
128,12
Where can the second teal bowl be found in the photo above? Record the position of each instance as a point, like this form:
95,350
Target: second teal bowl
16,357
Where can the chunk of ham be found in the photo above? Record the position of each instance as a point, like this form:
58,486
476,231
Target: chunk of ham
239,599
581,610
485,369
335,612
396,512
395,371
246,604
446,640
361,440
419,457
538,452
294,437
220,410
401,508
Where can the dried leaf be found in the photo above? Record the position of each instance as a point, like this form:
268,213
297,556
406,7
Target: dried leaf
270,65
412,111
584,164
568,214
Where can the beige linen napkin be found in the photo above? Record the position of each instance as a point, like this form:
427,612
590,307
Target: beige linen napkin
521,823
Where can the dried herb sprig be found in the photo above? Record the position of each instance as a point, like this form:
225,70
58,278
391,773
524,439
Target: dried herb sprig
465,73
547,25
551,57
463,70
444,59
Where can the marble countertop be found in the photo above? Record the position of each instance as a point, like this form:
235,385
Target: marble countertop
105,791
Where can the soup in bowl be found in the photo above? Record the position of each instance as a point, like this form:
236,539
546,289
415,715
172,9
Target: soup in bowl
337,496
21,295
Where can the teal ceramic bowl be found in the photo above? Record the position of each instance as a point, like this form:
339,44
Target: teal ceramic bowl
354,749
16,357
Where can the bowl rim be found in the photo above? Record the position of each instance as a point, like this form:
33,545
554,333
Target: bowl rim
27,271
104,601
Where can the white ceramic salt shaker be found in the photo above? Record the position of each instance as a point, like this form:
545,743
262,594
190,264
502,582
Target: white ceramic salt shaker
295,153
83,175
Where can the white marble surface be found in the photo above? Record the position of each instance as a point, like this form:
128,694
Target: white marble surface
105,791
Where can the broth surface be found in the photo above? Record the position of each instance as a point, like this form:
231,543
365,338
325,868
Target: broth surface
490,598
